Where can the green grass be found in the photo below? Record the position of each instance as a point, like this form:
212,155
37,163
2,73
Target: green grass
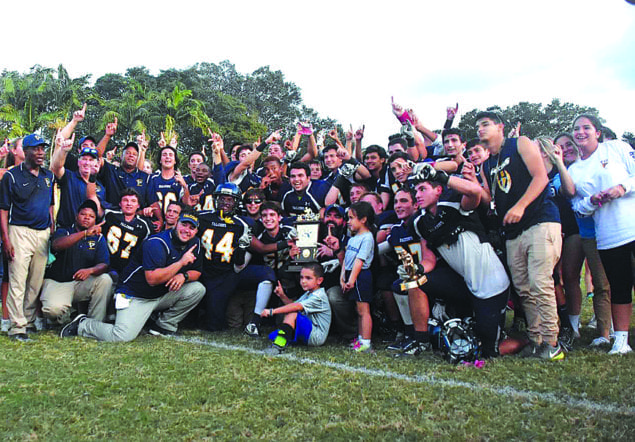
158,389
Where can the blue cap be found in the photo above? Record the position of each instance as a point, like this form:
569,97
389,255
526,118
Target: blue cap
337,207
33,140
82,139
89,151
189,218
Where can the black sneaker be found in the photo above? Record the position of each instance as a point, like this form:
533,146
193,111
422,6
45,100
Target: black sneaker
566,338
274,350
550,353
72,327
530,350
157,330
400,345
414,349
21,337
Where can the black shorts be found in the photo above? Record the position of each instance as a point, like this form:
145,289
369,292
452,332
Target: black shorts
363,289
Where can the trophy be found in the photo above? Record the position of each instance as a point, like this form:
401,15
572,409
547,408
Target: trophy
308,227
412,279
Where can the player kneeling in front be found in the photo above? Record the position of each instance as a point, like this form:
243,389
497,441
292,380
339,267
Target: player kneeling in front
306,320
162,278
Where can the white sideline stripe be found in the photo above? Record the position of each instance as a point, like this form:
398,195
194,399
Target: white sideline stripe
564,400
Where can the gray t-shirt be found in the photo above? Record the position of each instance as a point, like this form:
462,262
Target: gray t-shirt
316,306
359,246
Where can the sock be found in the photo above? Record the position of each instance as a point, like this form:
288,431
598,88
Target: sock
364,341
422,336
409,330
575,322
256,319
285,333
564,317
262,296
621,337
404,308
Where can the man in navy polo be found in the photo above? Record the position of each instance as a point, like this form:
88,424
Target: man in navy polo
79,272
162,278
26,217
127,175
75,187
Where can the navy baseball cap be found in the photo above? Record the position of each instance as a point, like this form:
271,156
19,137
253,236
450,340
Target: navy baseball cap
337,207
132,144
189,218
91,205
83,139
89,151
33,140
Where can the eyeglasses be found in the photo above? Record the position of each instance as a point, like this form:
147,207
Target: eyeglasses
254,201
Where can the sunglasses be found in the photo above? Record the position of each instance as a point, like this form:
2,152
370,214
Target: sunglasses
254,201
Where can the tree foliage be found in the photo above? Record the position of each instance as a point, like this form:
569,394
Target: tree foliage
536,119
203,97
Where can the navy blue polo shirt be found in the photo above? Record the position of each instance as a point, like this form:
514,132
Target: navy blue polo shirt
312,198
158,251
72,195
27,197
116,179
84,254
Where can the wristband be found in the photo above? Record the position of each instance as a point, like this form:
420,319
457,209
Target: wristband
352,161
270,312
92,178
261,147
282,245
186,275
441,177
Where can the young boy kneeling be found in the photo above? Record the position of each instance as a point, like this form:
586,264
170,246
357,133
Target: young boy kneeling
306,320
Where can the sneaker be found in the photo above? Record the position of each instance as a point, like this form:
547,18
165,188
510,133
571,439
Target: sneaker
599,341
21,337
252,330
157,330
620,347
72,327
363,348
274,350
414,349
354,343
589,295
547,352
530,350
400,345
593,323
6,325
566,338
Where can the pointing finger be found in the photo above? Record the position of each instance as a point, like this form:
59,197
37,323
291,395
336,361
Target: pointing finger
84,108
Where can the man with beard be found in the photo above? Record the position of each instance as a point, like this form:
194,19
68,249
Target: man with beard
163,278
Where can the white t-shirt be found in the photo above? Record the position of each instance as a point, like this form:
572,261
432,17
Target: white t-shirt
611,164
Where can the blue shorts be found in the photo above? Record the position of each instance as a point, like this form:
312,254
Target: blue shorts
363,289
303,329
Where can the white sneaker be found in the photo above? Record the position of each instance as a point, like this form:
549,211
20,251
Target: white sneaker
593,323
620,347
6,325
599,341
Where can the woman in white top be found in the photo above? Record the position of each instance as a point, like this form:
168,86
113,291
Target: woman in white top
604,178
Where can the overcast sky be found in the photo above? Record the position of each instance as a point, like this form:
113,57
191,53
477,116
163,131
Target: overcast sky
350,57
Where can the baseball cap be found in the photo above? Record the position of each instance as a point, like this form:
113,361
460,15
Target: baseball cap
132,144
189,218
91,205
81,140
33,140
337,207
89,151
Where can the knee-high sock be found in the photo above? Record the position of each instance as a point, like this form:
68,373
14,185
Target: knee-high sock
265,288
404,308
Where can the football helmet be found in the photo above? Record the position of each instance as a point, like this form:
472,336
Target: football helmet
229,206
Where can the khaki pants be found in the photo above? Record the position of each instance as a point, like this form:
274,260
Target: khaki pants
601,288
174,307
26,272
57,297
532,257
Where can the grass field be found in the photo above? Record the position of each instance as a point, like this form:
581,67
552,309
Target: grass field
220,386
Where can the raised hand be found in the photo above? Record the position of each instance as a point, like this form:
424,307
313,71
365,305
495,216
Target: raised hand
142,141
174,140
4,150
111,128
515,132
95,230
275,136
349,134
162,142
333,134
66,144
79,115
451,112
359,133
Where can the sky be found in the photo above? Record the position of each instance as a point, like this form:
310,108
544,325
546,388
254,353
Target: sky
350,57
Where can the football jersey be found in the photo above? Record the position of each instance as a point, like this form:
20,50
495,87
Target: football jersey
402,237
206,201
162,190
124,238
219,241
277,259
312,198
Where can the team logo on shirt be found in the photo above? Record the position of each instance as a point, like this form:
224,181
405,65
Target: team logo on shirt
504,181
139,182
91,245
48,182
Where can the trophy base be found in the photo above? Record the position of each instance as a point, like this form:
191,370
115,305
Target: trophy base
413,284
